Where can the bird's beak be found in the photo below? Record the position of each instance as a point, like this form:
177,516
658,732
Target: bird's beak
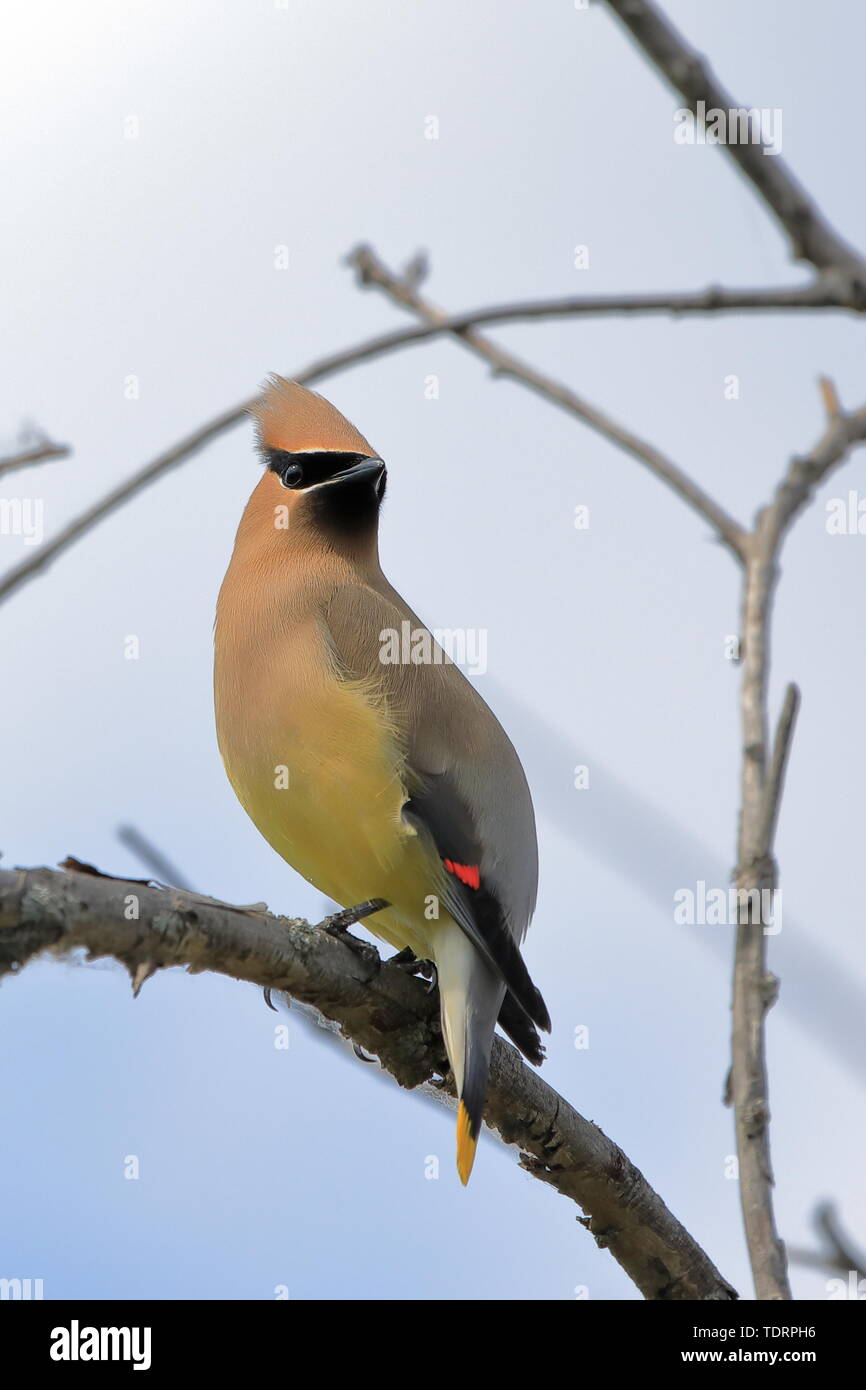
364,468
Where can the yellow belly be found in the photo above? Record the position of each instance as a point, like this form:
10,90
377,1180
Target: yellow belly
323,786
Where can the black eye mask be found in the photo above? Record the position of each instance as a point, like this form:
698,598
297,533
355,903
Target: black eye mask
305,470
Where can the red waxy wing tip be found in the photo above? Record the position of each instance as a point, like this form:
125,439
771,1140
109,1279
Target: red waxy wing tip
467,873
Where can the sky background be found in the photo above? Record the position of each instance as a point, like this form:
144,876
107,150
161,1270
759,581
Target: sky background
303,126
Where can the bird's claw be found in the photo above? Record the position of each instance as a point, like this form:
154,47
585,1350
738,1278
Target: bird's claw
408,961
341,921
405,960
338,925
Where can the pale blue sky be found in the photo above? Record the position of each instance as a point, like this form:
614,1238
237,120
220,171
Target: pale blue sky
262,127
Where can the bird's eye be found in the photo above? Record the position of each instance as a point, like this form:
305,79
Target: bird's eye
292,475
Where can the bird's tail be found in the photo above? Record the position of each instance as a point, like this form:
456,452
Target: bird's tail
470,996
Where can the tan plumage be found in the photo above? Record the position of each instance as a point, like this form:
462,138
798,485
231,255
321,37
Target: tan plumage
370,778
290,417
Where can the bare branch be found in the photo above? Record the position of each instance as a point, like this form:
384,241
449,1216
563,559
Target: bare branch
754,988
372,271
386,1012
811,236
37,453
821,293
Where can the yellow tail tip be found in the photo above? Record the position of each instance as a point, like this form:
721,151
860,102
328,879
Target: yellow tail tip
466,1145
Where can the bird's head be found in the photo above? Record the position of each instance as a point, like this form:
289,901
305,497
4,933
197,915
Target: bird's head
318,466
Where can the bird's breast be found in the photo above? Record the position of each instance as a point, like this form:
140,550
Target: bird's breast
315,761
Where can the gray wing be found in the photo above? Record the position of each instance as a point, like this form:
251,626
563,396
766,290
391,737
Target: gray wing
467,789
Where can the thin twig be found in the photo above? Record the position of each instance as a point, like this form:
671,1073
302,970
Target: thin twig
384,1010
840,1255
775,783
827,1222
153,858
37,453
371,271
822,292
806,473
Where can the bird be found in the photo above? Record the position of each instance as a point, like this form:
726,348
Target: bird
373,767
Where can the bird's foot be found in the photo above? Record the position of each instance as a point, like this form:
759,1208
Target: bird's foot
408,961
339,923
405,960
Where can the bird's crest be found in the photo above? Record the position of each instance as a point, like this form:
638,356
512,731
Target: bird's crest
291,418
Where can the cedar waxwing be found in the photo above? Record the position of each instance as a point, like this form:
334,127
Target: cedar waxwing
374,777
